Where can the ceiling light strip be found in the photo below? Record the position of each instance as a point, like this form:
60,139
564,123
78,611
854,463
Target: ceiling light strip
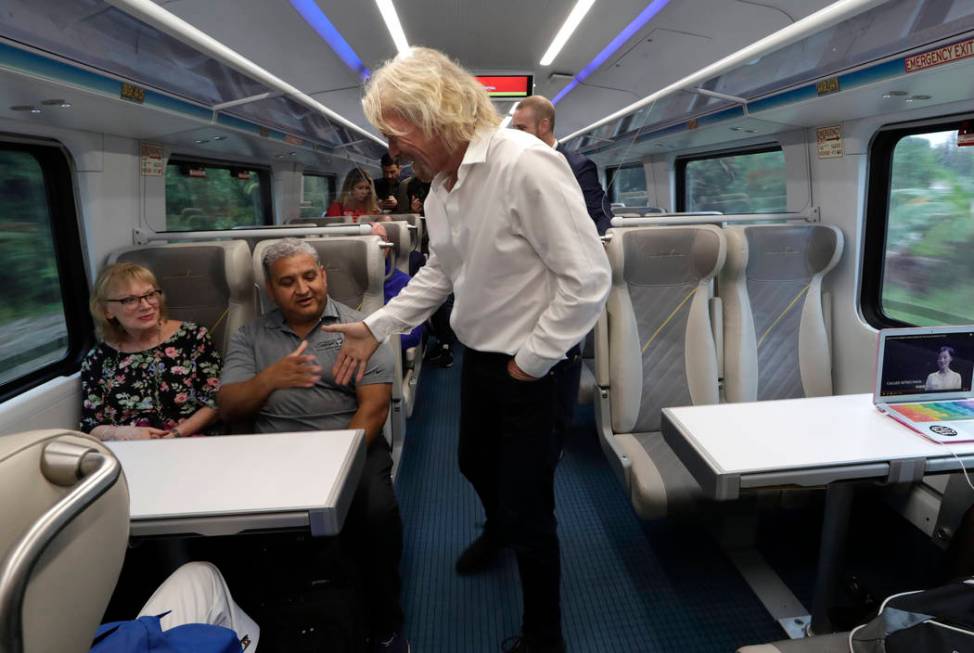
391,18
567,29
621,38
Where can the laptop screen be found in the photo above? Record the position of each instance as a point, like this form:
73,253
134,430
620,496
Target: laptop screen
926,363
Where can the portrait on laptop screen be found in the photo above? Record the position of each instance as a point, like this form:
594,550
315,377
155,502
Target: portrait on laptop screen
928,364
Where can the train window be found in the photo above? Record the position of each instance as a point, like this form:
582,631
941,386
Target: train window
203,196
317,193
627,185
739,182
920,228
43,313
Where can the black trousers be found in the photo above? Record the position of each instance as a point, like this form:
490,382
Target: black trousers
372,536
440,323
568,376
508,451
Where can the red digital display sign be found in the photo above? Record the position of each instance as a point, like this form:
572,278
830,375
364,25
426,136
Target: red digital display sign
507,85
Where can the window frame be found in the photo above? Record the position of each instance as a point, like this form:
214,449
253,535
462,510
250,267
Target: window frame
263,175
680,166
59,186
612,171
879,177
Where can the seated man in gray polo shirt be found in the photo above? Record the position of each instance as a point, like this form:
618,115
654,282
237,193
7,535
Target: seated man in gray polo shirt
277,372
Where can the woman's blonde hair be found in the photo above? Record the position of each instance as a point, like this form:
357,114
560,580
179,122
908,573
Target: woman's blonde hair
110,278
354,177
427,89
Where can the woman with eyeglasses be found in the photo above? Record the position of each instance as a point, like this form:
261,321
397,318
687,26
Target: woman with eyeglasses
149,377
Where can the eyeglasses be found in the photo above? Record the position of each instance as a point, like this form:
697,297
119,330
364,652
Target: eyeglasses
152,298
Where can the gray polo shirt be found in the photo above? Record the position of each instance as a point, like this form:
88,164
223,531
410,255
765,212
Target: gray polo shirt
325,406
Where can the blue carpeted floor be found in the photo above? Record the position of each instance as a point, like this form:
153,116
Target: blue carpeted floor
627,585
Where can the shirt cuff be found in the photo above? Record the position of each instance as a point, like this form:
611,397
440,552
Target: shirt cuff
382,325
534,365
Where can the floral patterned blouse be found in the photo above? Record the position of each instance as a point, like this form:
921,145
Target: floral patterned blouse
157,387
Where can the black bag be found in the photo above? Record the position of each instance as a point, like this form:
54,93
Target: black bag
939,620
322,620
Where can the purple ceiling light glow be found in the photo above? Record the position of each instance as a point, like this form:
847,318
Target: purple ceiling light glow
316,18
627,33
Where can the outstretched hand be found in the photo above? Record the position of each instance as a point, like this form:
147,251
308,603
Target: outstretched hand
358,346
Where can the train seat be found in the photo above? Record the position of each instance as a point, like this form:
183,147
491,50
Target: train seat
355,269
210,283
354,266
417,227
402,243
62,541
776,341
654,349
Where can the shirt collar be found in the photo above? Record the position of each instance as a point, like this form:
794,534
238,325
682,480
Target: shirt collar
476,153
275,319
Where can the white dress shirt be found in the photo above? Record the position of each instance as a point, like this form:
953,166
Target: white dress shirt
514,242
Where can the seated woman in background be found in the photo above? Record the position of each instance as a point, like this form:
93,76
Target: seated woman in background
357,197
149,377
944,378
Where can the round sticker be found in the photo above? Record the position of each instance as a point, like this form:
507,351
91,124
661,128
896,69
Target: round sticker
942,430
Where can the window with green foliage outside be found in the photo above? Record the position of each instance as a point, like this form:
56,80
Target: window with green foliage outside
753,182
929,262
316,195
627,185
201,197
33,331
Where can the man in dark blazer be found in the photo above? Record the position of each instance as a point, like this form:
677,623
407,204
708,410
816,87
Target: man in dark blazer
536,115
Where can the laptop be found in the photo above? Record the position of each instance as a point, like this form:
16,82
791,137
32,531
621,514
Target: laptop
923,379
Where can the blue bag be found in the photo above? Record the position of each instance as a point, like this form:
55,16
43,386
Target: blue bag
144,634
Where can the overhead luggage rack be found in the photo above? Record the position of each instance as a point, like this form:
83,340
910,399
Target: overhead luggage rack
141,53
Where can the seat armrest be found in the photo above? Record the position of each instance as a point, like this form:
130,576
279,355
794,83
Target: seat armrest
717,326
602,350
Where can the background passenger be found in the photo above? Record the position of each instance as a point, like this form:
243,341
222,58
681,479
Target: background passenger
357,197
390,191
278,373
149,377
395,281
536,115
944,378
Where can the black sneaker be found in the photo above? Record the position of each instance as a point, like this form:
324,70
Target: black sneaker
522,644
479,555
442,357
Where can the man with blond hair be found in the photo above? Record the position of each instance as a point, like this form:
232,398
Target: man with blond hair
535,115
510,237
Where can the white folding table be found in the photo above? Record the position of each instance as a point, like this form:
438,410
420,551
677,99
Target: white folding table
804,442
827,442
230,484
